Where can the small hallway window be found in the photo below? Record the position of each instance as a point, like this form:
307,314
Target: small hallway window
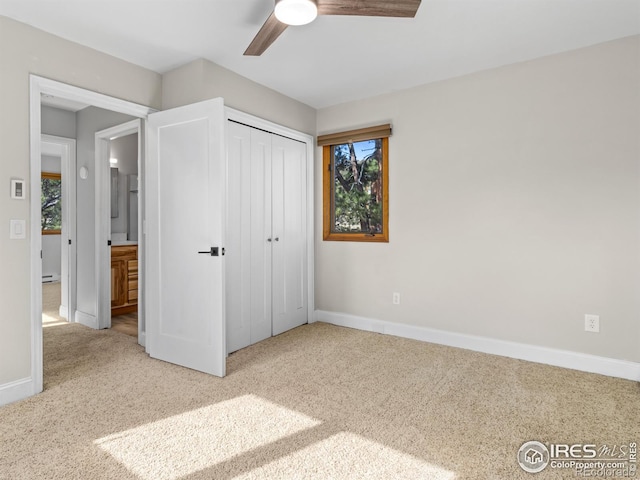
51,197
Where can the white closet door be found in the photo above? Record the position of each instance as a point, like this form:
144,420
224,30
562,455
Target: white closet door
266,235
238,253
289,201
261,235
249,236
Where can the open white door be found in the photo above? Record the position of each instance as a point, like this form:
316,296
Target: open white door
185,206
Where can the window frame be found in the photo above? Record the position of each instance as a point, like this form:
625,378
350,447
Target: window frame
53,176
328,207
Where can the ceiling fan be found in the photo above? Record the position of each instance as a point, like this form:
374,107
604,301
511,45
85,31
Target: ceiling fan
301,12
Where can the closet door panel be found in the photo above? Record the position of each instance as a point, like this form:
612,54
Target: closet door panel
289,181
266,289
261,235
238,246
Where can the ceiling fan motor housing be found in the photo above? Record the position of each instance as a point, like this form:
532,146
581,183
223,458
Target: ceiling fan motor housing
296,12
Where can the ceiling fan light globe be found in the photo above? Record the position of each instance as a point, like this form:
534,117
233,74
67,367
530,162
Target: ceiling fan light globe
296,12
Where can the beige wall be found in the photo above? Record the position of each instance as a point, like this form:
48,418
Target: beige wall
25,50
202,80
514,205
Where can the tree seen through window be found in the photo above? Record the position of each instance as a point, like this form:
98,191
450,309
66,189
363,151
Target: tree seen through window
357,193
51,200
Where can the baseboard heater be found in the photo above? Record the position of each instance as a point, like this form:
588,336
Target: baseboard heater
50,278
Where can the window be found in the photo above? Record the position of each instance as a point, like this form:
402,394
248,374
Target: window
356,185
51,197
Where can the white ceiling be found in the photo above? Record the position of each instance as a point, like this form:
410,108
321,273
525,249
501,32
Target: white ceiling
334,59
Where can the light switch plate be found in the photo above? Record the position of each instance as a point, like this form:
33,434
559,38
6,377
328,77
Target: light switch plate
18,230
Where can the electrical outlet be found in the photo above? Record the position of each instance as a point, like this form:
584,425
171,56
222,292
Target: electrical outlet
396,298
592,323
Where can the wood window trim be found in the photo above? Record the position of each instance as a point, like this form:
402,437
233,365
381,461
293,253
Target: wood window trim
368,133
53,176
327,207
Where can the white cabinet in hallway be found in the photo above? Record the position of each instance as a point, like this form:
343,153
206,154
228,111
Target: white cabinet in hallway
266,248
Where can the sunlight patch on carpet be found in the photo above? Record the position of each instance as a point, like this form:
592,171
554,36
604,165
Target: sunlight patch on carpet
347,456
183,444
49,321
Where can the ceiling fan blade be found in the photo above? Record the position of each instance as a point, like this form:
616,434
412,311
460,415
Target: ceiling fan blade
271,30
369,8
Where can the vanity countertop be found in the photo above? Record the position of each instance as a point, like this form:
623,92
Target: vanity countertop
119,243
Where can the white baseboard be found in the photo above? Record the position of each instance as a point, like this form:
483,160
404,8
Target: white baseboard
533,353
16,390
86,319
62,311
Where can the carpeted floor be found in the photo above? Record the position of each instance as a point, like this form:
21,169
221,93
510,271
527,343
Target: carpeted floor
51,303
317,402
127,323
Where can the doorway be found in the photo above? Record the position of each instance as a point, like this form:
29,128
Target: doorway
38,87
58,226
126,282
120,249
